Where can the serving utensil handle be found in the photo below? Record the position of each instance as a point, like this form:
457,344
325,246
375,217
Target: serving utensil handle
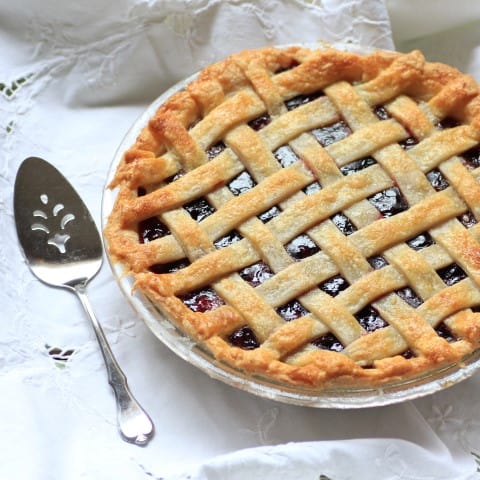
133,422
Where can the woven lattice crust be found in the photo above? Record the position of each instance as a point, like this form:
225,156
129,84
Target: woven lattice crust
277,145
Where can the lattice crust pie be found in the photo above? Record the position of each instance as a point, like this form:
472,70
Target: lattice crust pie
310,216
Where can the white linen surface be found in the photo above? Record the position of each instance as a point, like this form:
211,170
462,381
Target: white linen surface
73,77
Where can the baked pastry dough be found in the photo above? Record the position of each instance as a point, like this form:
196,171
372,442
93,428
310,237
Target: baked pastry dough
310,216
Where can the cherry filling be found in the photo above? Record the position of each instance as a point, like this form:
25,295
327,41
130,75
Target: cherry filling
302,100
243,338
241,183
331,134
389,202
169,267
292,310
260,122
199,209
256,274
357,165
370,319
286,156
301,247
202,300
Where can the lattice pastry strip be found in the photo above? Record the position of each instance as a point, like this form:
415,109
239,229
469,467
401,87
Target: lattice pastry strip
258,197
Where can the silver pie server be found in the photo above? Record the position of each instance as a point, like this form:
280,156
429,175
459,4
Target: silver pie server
63,248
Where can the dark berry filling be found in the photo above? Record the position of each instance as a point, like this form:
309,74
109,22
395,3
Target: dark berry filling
312,188
331,134
256,274
468,220
421,241
301,247
343,223
377,262
333,286
215,150
260,122
444,332
328,342
169,267
381,113
202,300
243,338
357,165
228,239
370,319
292,310
199,209
389,202
408,354
269,214
408,143
286,156
151,229
448,122
179,174
410,297
241,183
451,274
471,158
301,100
293,64
437,180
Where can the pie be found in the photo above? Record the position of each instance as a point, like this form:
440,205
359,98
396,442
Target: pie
309,216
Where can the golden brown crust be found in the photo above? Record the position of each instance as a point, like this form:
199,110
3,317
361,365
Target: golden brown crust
417,100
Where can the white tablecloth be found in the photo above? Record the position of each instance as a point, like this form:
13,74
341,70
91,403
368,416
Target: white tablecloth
73,77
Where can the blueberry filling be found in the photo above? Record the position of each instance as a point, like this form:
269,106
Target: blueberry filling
408,143
269,214
286,156
215,150
256,274
451,274
444,332
448,122
301,247
199,209
260,122
381,113
468,220
301,100
343,223
228,239
312,188
241,183
292,310
151,229
471,158
357,165
370,319
389,202
331,134
328,342
243,338
421,241
437,180
377,262
410,297
333,286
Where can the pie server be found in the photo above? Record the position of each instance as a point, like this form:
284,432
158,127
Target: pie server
62,247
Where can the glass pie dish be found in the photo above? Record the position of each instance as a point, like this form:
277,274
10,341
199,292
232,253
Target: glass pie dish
388,110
